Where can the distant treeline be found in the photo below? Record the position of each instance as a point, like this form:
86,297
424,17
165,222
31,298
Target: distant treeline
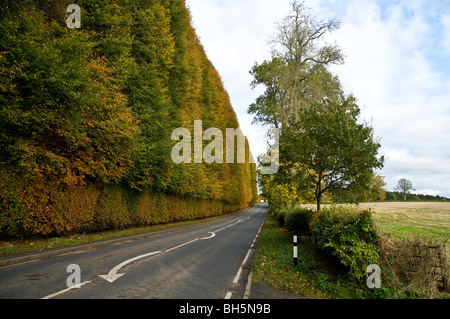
86,117
399,196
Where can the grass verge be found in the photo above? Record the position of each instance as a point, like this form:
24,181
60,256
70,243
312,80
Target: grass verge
314,277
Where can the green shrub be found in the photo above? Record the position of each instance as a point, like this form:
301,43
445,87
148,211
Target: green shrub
277,212
350,235
298,220
281,217
295,218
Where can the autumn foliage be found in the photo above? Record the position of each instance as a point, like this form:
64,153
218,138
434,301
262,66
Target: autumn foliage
86,117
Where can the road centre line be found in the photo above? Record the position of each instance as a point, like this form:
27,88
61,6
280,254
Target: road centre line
239,220
65,290
186,243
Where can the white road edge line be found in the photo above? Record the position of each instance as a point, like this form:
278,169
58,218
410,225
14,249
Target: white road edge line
238,275
248,286
249,279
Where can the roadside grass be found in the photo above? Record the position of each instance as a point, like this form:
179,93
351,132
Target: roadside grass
35,244
14,246
315,276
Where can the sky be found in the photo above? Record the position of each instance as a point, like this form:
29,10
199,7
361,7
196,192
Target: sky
397,65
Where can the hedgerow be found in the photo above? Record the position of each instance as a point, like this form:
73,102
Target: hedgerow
344,232
348,234
86,117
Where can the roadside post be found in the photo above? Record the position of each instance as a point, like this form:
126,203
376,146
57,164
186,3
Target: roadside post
295,251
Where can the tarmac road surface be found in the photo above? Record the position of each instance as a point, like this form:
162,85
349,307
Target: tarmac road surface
208,260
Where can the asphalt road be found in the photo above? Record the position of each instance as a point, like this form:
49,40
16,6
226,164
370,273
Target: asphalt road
209,260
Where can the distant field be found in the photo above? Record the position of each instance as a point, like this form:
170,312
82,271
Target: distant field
413,219
408,220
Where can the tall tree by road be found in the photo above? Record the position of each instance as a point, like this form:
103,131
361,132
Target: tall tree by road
323,146
297,51
337,152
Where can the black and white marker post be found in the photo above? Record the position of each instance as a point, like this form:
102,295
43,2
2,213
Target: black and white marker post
295,251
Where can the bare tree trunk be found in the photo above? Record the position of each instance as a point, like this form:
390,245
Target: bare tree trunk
319,192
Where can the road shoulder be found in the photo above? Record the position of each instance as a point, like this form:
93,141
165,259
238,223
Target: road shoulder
261,290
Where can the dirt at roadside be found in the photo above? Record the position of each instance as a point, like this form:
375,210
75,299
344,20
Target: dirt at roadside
264,291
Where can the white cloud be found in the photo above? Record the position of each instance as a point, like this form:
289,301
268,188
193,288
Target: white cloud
397,66
235,35
389,70
424,171
446,32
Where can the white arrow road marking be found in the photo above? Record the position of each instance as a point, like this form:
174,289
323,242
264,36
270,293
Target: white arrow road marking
212,235
113,275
